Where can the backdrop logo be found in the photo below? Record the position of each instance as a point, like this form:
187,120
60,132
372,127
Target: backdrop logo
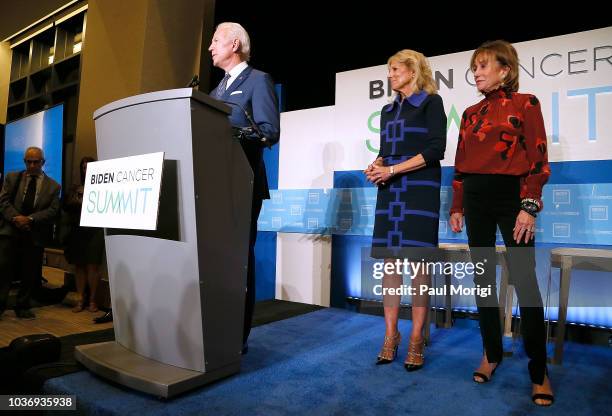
591,99
561,230
561,196
346,224
277,198
443,228
367,210
598,213
277,222
313,223
374,116
313,198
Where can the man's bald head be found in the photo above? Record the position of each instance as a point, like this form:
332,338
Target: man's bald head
34,159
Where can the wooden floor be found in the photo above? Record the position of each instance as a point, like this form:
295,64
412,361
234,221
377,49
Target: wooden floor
58,320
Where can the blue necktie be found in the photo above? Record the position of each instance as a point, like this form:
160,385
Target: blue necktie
222,85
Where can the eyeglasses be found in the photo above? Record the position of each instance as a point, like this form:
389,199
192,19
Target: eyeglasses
33,161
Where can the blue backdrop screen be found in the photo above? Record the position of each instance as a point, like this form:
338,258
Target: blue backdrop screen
42,129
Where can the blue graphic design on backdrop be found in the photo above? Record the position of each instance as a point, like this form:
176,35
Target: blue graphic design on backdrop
44,130
573,214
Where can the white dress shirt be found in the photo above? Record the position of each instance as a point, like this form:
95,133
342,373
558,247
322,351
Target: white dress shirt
235,71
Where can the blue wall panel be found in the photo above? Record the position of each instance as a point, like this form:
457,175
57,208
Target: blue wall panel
265,259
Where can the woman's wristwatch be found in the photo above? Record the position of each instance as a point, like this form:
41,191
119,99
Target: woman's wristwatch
530,206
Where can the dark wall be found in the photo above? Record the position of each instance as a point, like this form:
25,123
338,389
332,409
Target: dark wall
304,44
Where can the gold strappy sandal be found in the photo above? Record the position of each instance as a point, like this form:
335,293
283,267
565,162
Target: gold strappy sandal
415,358
389,349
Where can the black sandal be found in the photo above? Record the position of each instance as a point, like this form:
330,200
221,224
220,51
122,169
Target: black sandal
484,377
543,396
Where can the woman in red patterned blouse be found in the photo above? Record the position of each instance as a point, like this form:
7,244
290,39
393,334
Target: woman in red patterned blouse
500,168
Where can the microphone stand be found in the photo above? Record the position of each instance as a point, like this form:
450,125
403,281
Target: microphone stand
247,132
194,82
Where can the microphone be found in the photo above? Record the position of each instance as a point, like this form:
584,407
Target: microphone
248,131
194,82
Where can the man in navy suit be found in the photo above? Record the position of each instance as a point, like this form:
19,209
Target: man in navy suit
252,92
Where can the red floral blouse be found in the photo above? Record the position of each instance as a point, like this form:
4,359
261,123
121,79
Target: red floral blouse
503,134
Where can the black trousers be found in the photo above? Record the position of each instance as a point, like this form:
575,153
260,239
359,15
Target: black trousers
21,258
491,201
249,304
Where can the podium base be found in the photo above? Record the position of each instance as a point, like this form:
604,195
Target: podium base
120,365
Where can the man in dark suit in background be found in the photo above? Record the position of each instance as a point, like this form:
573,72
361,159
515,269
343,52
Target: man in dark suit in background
29,204
251,95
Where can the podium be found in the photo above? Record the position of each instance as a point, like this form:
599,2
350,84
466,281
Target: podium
177,292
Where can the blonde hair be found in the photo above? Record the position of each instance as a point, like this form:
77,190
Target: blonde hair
505,54
418,63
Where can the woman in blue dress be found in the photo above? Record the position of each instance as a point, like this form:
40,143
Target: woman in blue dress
407,173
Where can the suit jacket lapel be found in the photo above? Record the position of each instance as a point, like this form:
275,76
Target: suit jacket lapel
22,178
43,186
238,81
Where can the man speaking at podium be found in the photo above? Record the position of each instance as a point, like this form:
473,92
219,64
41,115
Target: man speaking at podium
255,117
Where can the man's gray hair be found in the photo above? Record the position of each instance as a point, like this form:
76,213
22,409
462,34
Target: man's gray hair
236,31
42,154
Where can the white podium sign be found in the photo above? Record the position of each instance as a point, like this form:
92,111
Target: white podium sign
123,193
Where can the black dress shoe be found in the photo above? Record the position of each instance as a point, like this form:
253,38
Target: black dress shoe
107,317
25,314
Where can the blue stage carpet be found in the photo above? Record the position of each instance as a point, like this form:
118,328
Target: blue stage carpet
322,363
